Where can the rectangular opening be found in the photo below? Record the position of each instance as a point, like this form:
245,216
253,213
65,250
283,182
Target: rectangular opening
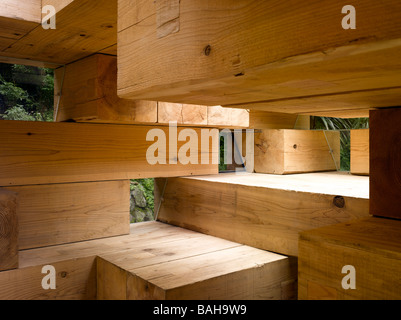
26,93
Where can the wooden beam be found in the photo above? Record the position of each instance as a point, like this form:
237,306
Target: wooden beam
57,4
341,105
264,211
360,152
55,214
230,54
277,120
183,114
86,91
371,246
200,266
296,151
45,153
9,229
83,27
17,18
385,161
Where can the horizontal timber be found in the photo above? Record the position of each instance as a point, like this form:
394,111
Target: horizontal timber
262,210
230,55
47,153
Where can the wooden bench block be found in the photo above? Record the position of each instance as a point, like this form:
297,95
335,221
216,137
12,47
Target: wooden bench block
229,53
46,153
370,245
296,151
69,41
385,162
264,211
86,91
360,152
238,273
9,229
62,213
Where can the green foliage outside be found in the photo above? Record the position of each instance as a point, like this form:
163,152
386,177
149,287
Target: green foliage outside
147,186
344,125
142,200
26,93
222,165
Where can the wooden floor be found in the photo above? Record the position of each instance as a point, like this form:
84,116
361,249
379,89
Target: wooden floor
156,261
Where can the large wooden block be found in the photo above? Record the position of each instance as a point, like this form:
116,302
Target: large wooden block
229,52
45,153
8,230
360,152
263,211
385,161
62,213
371,246
296,151
238,273
86,91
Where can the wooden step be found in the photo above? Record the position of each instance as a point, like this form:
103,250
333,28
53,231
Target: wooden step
261,210
371,246
157,261
17,18
70,41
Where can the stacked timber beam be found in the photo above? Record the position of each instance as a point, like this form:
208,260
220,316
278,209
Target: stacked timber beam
230,54
178,62
361,259
86,91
